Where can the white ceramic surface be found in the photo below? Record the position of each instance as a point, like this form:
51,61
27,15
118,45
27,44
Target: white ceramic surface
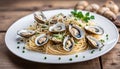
10,39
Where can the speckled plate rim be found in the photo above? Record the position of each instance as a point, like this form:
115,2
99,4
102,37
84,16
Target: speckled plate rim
54,58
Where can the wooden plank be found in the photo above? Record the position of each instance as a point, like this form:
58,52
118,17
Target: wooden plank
20,5
118,29
111,60
35,5
8,18
119,40
9,60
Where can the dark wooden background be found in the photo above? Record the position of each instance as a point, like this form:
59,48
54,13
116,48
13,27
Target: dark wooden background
12,10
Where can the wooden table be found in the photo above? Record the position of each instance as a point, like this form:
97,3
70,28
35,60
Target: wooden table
12,10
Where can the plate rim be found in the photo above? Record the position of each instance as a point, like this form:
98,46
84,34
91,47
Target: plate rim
73,54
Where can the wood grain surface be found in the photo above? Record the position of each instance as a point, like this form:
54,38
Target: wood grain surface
12,10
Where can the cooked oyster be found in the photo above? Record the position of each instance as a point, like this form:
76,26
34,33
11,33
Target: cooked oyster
76,32
26,33
59,27
94,29
68,43
57,18
93,42
41,40
39,17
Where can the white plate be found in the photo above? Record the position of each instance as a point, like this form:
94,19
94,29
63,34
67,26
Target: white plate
24,22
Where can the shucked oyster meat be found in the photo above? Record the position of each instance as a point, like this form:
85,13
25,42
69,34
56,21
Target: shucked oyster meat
40,17
42,39
25,33
76,32
58,27
94,30
93,42
68,43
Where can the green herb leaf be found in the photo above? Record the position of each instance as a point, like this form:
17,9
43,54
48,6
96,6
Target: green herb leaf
79,15
75,42
92,51
87,14
85,19
92,17
80,25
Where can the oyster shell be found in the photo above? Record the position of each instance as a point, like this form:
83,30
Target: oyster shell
94,30
93,42
41,40
76,32
26,33
40,17
68,43
59,27
57,18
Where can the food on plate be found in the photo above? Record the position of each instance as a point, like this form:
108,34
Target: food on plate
62,34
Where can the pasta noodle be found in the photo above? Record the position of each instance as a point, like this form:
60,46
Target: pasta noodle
52,48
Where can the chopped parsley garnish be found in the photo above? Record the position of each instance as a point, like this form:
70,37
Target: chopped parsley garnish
83,56
75,42
23,47
92,51
18,47
70,59
45,58
76,56
23,51
80,25
59,58
100,49
43,26
47,23
30,25
18,42
58,36
107,37
80,15
75,19
102,41
36,34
